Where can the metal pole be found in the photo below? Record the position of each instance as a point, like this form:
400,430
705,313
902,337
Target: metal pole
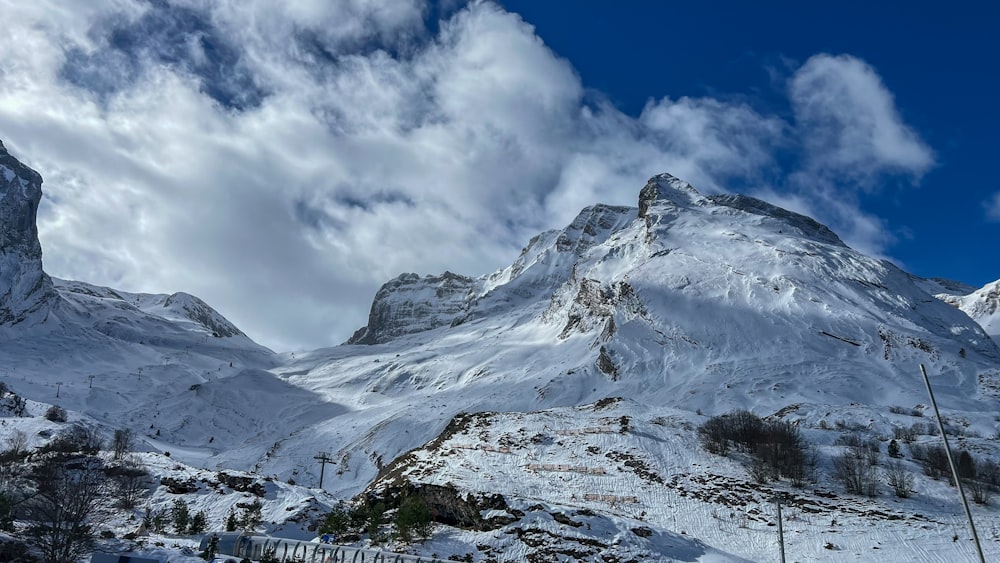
322,469
781,531
323,458
951,462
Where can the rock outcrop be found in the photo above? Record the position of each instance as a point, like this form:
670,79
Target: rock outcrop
410,304
24,287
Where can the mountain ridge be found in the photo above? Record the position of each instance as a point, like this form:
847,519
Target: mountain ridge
608,339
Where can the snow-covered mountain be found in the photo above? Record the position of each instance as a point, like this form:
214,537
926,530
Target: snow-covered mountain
646,319
982,305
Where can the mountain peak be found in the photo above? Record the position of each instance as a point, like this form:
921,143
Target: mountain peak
667,188
24,287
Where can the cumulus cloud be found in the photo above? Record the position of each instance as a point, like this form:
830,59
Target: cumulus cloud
281,160
848,124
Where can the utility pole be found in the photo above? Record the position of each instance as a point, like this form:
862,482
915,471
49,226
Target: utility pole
323,458
951,463
58,385
781,530
91,378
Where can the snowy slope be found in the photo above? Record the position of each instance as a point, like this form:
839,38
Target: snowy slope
710,303
640,467
685,304
982,305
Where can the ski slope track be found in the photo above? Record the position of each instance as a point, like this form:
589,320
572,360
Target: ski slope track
586,365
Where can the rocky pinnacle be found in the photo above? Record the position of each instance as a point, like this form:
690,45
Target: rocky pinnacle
24,287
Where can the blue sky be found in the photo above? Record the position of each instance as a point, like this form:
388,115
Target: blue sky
283,159
938,60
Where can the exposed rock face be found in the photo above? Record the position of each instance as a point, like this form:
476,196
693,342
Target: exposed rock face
24,287
666,189
410,304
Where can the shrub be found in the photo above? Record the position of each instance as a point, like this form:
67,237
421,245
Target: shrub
76,438
894,451
855,469
933,459
252,515
899,479
55,413
981,493
777,447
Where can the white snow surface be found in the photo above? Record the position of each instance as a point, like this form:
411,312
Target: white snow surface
982,305
690,307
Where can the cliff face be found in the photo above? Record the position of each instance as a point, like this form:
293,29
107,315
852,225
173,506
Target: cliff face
410,304
24,287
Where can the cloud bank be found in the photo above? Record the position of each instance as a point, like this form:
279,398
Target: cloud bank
283,159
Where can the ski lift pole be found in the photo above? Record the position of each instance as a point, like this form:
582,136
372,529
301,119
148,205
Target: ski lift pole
781,531
951,463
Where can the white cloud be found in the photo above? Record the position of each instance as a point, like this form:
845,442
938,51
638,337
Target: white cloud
848,122
366,149
993,207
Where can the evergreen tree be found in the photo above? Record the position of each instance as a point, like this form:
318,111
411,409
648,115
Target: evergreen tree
181,515
232,523
413,518
198,523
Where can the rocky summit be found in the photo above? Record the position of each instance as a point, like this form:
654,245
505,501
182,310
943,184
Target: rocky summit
24,287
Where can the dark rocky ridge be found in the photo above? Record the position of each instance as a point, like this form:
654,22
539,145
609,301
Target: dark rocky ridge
24,287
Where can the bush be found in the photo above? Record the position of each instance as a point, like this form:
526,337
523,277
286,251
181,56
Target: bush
899,479
981,493
894,451
933,459
75,439
777,447
55,413
854,470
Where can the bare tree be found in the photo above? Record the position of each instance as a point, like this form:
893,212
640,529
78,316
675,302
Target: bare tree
981,493
17,442
60,512
854,468
122,443
899,479
130,481
12,462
